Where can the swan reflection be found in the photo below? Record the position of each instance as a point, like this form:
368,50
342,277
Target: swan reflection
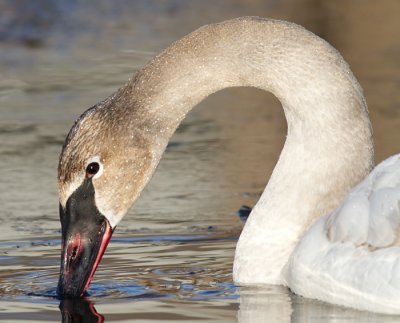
272,304
79,311
276,304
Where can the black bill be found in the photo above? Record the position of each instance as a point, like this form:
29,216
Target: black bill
85,236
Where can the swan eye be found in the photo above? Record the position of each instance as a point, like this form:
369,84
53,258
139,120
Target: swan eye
92,169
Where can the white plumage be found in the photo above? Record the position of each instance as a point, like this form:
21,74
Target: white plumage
351,257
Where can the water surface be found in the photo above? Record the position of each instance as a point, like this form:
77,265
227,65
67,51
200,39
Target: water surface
170,259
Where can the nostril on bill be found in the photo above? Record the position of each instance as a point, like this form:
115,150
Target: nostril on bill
74,252
74,249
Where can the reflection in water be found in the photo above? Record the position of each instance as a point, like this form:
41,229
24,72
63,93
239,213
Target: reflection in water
270,304
276,304
79,311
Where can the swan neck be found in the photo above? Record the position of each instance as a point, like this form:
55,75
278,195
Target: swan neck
329,142
308,76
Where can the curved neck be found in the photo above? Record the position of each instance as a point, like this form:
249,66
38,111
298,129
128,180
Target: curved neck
328,147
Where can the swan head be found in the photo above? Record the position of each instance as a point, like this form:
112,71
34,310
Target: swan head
102,169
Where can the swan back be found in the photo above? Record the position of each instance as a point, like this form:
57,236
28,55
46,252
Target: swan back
351,256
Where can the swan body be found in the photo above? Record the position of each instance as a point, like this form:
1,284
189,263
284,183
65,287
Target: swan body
113,149
351,256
